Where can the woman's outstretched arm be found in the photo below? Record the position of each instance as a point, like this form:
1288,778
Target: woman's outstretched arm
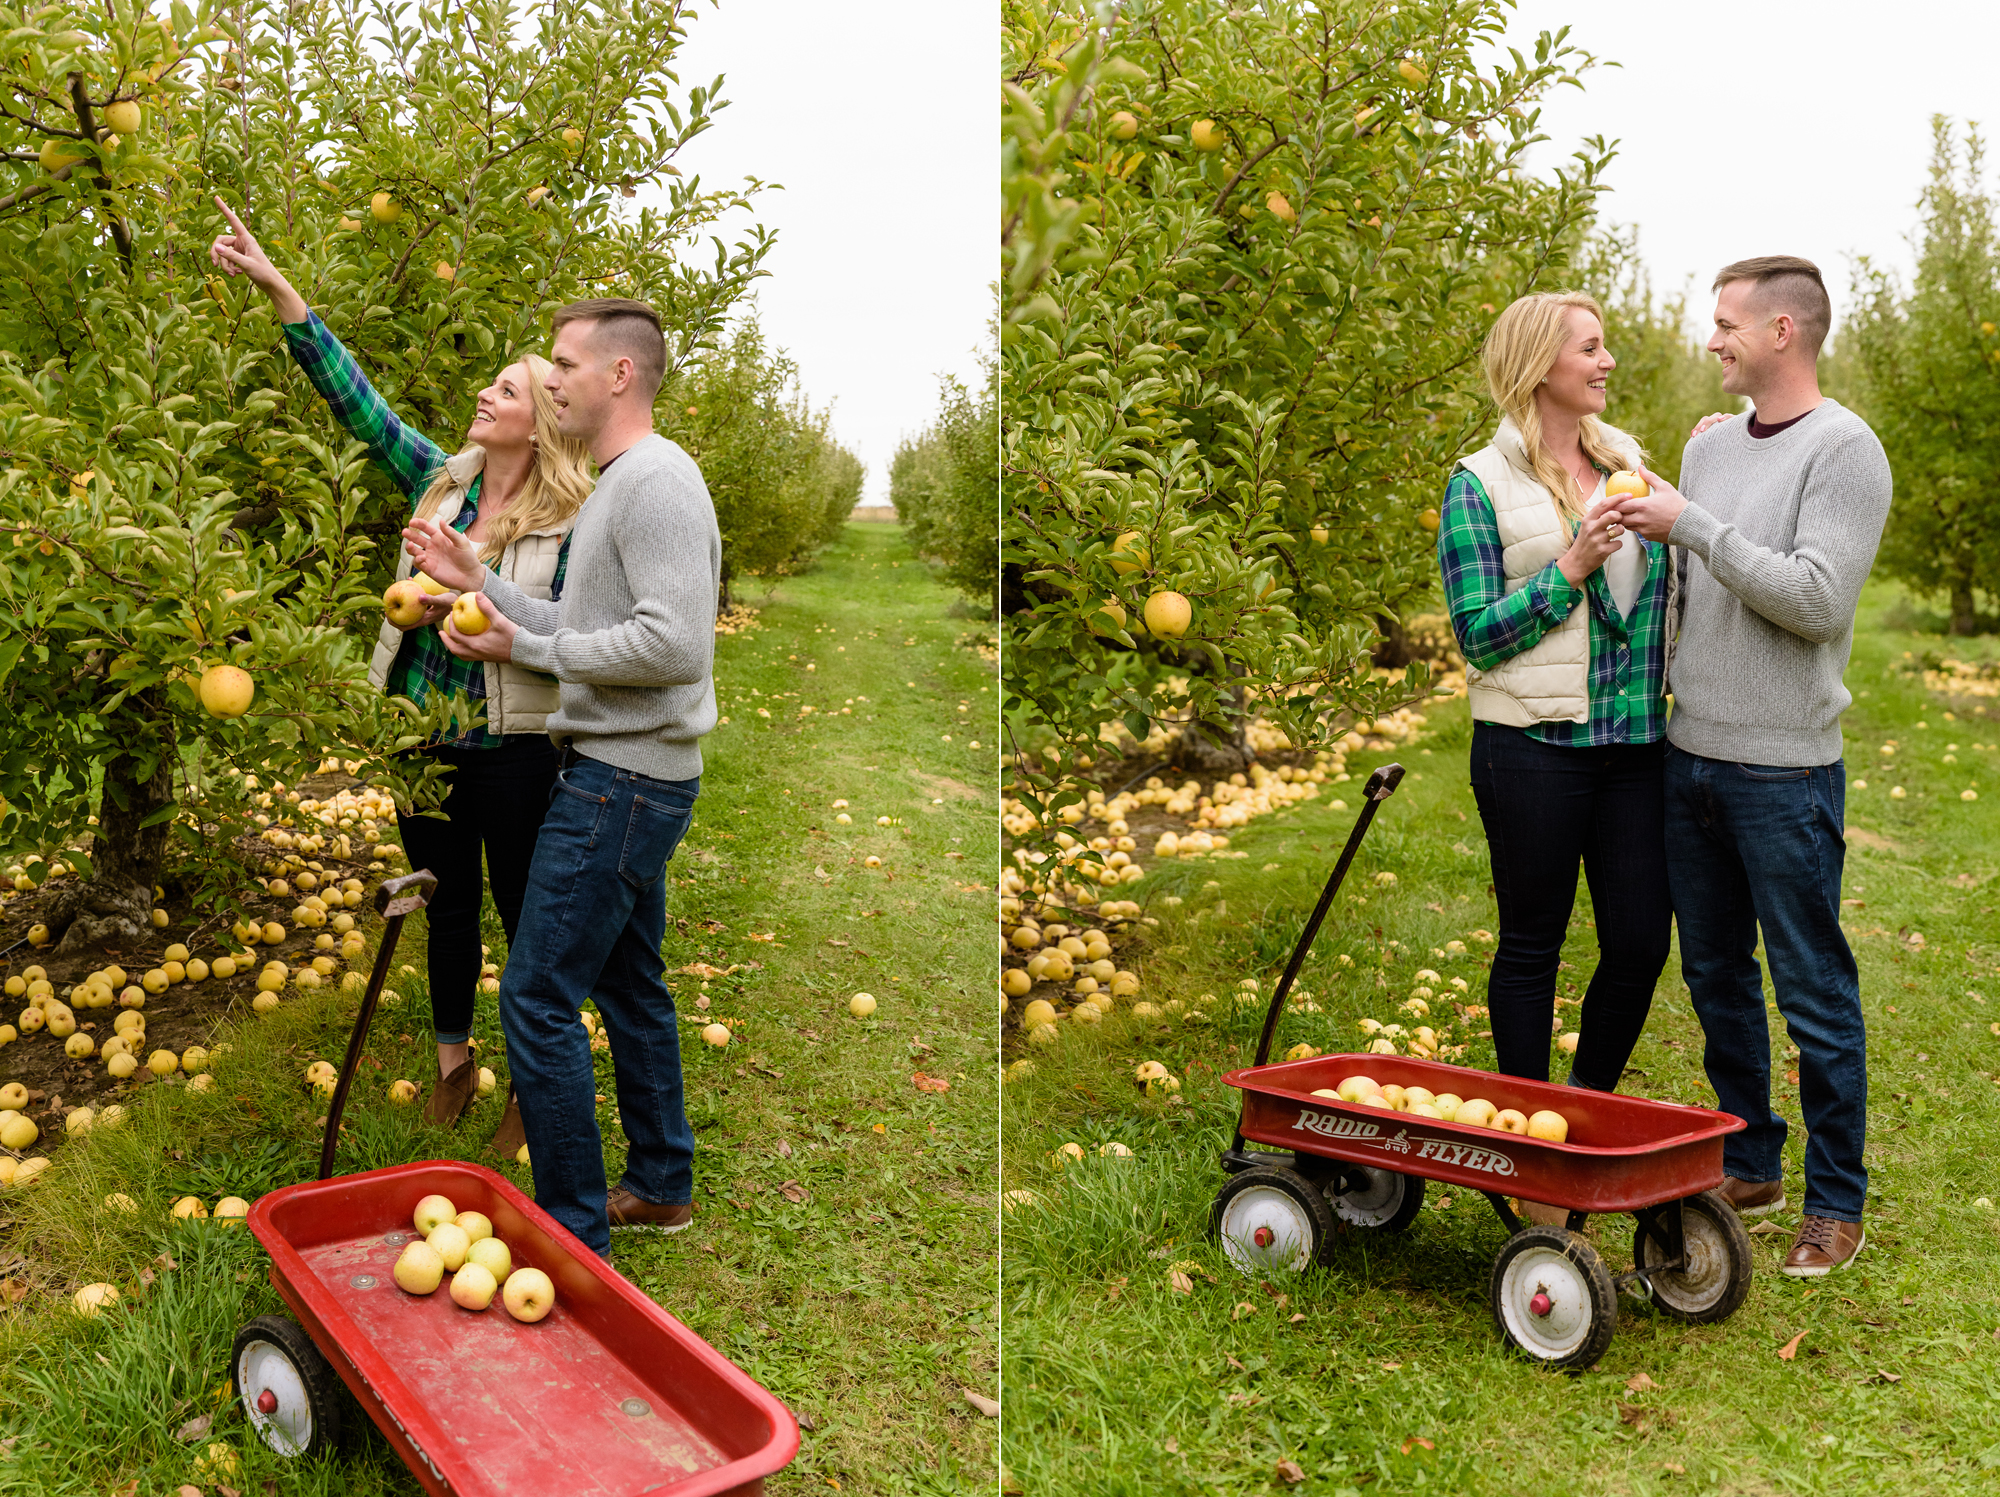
408,456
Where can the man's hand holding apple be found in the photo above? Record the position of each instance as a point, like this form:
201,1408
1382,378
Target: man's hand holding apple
1652,514
492,639
444,555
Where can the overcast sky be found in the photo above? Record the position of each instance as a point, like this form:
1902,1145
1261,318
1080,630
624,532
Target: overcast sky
1756,128
879,121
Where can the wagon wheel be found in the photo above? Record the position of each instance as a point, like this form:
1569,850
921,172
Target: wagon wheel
1715,1279
290,1393
1553,1297
1271,1219
1386,1200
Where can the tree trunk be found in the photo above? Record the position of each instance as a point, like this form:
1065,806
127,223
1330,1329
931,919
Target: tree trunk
1964,617
1211,757
113,908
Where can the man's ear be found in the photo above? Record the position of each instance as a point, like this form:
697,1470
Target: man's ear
1786,330
622,375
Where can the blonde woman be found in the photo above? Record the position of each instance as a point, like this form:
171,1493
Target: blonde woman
514,490
1563,616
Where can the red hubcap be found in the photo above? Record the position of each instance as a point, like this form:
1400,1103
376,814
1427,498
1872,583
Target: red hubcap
267,1402
1541,1304
1264,1237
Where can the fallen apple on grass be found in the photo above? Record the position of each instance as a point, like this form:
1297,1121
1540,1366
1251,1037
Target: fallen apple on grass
92,1298
231,1211
861,1005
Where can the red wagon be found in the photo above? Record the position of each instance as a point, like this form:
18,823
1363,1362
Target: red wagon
1552,1295
608,1395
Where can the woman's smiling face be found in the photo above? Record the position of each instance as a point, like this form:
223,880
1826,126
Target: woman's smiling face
505,417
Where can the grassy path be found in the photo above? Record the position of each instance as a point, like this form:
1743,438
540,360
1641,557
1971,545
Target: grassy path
1384,1373
843,1248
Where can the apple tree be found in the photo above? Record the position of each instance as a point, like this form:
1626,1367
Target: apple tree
1922,365
434,181
1234,387
782,487
942,482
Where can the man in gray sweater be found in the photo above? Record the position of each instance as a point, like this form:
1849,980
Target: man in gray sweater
1782,513
633,644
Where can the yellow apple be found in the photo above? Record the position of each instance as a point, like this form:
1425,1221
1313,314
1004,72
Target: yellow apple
444,271
478,1226
1128,555
231,1211
521,1155
420,1269
403,603
473,1286
386,210
1567,1043
432,1212
1280,207
125,116
1205,135
528,1294
190,1208
467,617
1625,484
94,1297
493,1255
402,1093
1510,1120
451,1240
1168,615
225,691
1376,1099
163,1062
716,1034
1476,1112
1109,617
1429,519
1354,1088
1552,1126
861,1005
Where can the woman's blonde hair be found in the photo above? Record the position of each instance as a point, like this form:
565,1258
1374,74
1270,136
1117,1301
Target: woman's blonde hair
1522,347
558,479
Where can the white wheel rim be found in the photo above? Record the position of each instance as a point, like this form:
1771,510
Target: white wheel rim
1543,1270
1283,1223
1704,1278
288,1429
1374,1205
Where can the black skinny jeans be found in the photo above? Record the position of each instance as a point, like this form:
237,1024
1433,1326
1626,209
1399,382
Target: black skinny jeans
495,804
1546,807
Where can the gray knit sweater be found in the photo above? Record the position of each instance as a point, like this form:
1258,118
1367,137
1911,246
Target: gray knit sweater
633,639
1784,529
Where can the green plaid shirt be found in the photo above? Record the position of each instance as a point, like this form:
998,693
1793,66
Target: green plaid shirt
410,458
1627,656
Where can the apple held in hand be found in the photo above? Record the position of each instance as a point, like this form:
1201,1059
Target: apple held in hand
433,1212
1625,484
467,617
420,1269
403,604
473,1286
528,1295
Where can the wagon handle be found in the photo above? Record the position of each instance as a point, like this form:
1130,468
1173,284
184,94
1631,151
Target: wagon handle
1381,785
394,900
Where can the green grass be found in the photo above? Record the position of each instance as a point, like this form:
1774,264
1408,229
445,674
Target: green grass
866,1303
1117,1384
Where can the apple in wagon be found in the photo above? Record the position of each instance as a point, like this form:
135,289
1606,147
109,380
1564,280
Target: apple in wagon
528,1295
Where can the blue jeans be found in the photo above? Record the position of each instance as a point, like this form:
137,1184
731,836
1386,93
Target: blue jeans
1750,848
1547,808
591,927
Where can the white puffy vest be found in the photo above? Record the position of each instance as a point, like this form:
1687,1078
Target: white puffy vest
1551,681
518,700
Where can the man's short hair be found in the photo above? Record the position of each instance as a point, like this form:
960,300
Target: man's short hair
624,329
1786,284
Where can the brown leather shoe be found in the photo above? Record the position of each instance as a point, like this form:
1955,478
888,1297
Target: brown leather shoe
451,1096
510,1135
1753,1197
1823,1245
630,1214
